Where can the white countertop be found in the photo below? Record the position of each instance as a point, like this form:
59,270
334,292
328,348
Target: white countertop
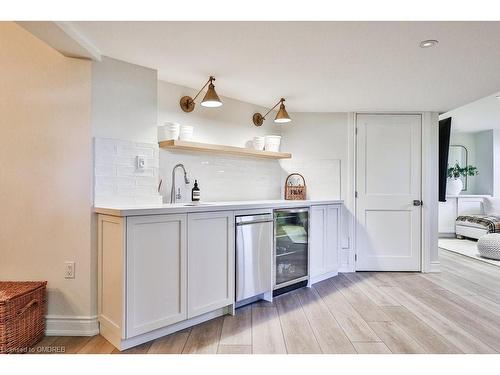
468,196
206,207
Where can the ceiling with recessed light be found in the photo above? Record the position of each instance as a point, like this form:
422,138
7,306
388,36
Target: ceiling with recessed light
316,66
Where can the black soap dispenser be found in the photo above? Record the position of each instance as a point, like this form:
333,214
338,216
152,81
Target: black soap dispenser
195,192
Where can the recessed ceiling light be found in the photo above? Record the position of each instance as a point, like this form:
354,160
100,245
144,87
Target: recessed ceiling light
428,43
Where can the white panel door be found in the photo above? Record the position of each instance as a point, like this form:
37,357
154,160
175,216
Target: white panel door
388,181
156,272
211,264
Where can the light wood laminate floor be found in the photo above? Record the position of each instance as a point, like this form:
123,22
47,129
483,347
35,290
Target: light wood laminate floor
456,311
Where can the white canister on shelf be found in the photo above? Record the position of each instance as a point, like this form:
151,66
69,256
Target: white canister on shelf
186,133
273,143
169,131
259,143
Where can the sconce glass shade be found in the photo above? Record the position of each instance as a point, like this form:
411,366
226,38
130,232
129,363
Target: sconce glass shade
211,98
282,116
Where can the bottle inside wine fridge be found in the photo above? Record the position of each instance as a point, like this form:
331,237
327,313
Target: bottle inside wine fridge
291,247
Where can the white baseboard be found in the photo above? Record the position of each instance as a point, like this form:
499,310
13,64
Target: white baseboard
317,279
57,325
346,269
434,267
447,235
145,337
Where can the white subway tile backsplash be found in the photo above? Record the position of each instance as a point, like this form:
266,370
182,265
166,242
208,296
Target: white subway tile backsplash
117,181
105,170
147,181
135,149
132,171
221,178
323,176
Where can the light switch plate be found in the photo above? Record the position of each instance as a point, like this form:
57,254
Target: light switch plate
140,162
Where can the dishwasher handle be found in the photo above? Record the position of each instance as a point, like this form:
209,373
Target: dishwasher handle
254,222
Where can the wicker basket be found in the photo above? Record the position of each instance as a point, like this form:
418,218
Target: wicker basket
295,192
22,315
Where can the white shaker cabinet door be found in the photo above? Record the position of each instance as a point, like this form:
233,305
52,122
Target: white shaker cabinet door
211,264
156,272
324,240
318,240
332,238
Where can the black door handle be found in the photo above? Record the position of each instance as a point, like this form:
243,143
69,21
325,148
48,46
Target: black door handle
418,203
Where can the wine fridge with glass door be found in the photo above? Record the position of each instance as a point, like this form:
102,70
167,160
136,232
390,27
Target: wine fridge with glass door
291,248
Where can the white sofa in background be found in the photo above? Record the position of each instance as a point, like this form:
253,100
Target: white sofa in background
455,206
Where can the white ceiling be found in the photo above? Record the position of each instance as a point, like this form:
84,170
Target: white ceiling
483,114
316,66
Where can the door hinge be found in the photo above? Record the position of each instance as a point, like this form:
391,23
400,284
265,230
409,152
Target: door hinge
355,194
355,257
356,131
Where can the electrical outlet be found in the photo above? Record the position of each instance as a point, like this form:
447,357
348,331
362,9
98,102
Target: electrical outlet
140,162
69,270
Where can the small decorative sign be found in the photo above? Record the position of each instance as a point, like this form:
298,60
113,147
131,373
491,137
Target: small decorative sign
295,187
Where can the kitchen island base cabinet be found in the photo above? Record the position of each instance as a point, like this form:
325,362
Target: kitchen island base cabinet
324,242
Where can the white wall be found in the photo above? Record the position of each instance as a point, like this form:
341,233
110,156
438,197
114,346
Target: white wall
485,153
124,111
480,120
482,114
45,174
319,159
124,101
319,143
220,177
496,162
468,140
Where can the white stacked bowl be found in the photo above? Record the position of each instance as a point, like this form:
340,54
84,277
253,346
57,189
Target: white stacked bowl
169,131
186,133
273,143
259,143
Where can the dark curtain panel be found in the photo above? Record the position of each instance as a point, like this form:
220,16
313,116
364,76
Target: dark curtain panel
444,147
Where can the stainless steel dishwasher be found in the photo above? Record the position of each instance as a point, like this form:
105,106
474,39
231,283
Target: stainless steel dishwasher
254,254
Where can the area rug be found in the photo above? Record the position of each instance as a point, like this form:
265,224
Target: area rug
464,247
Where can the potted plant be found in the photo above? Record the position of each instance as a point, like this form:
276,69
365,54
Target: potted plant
455,185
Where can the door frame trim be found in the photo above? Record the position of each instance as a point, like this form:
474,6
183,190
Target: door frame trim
429,190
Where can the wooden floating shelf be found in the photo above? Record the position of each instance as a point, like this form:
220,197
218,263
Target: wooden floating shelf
220,149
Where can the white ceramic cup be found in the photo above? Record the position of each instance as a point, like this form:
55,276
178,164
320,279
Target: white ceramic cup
162,133
171,130
259,143
273,143
186,133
